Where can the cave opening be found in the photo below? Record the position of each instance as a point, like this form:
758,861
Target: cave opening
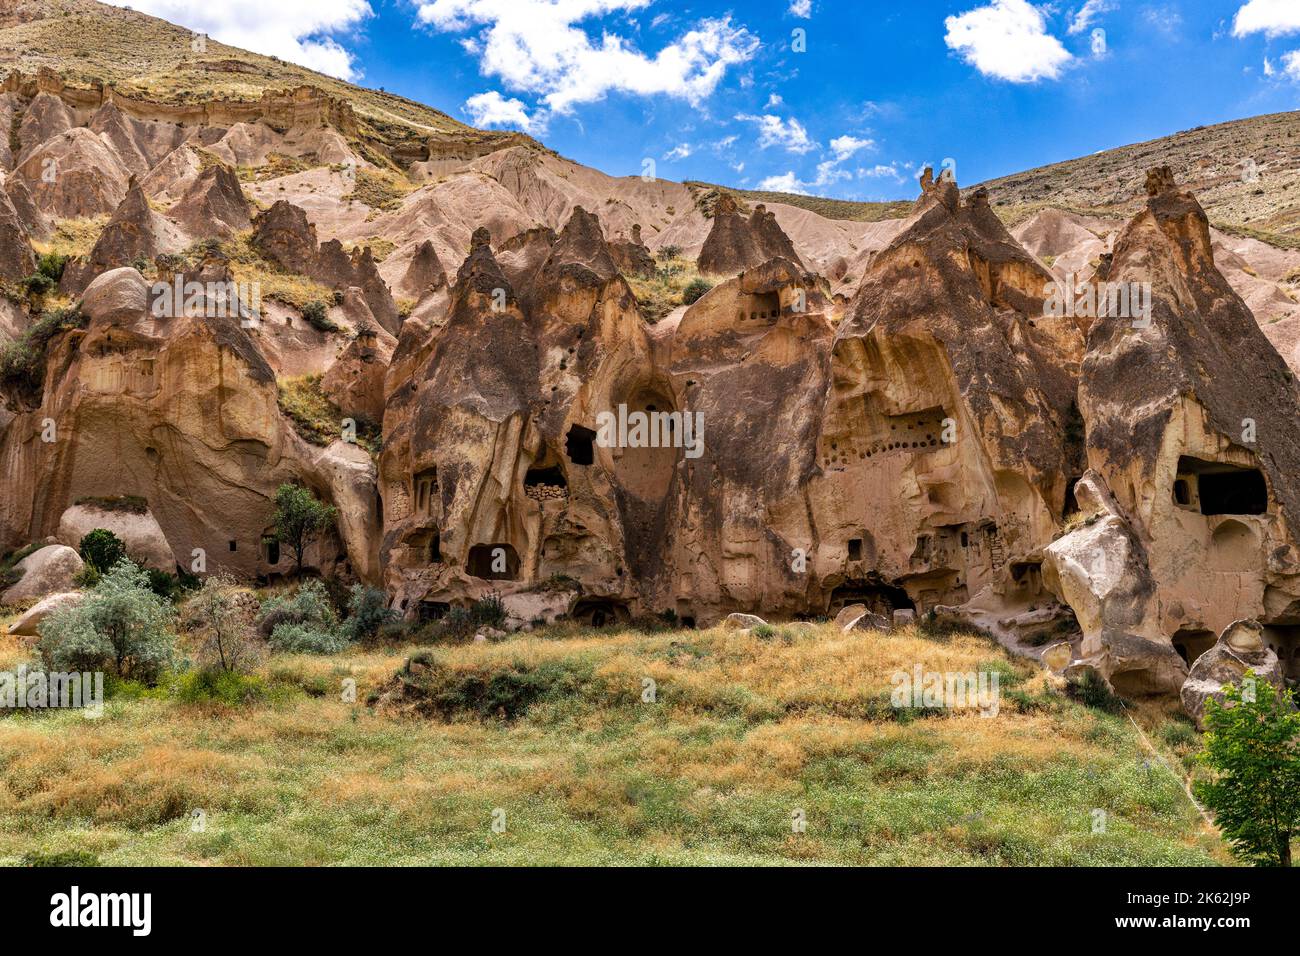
600,612
1215,488
1191,643
428,611
545,477
580,445
493,562
878,595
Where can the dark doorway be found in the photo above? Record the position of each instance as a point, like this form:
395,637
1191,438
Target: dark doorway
580,445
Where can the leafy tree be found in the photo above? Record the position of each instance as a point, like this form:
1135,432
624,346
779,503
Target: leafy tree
1251,746
229,639
120,626
101,549
300,518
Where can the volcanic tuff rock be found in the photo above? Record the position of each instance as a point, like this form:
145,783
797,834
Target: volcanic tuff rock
1241,649
735,244
886,415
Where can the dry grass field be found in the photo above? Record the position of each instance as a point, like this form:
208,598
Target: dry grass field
550,736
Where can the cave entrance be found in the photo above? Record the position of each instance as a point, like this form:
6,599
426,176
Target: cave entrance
1191,643
1284,639
600,612
429,611
580,445
425,488
879,596
1215,488
493,562
543,483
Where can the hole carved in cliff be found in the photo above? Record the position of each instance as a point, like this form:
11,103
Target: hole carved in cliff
1215,488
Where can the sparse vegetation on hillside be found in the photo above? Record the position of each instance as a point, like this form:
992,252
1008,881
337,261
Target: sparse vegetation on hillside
665,290
318,420
246,265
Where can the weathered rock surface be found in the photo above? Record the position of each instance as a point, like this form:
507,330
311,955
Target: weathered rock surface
1239,649
29,621
140,532
44,572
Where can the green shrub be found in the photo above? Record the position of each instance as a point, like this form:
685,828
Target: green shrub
368,612
316,315
121,628
101,550
76,858
462,623
695,291
304,623
1091,692
22,361
299,519
220,687
507,693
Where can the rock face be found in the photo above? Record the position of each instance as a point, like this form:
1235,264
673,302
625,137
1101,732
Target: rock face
1192,425
135,234
44,572
28,623
632,257
925,430
1240,648
736,244
213,205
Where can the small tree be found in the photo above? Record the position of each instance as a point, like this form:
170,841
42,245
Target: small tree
101,549
300,518
229,636
1251,746
121,626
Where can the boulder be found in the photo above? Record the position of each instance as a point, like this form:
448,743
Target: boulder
47,571
27,625
525,607
117,297
140,532
742,622
1101,571
1240,648
856,617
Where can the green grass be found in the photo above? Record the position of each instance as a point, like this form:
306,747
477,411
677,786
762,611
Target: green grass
743,733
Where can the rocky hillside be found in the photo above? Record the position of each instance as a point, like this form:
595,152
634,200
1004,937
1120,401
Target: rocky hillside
604,398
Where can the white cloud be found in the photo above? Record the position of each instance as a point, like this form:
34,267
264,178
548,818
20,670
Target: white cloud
1270,17
845,146
295,30
490,109
774,131
1007,39
880,171
679,152
1291,64
538,46
1090,11
786,183
801,8
1268,67
773,101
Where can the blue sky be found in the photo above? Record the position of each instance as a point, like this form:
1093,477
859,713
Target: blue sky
850,107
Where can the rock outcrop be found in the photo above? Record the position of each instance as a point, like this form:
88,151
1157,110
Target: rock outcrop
735,244
1240,649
